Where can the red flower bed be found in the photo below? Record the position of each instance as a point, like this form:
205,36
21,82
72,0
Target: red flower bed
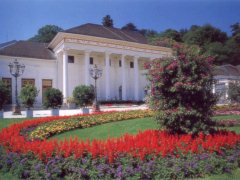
150,142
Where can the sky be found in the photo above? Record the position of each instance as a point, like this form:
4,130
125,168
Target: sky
21,19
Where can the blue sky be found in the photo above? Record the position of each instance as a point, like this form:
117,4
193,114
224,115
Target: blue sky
20,19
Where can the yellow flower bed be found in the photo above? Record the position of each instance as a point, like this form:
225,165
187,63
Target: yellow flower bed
48,129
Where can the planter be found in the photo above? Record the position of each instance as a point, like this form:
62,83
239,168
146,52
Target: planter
1,113
85,110
54,112
71,105
29,113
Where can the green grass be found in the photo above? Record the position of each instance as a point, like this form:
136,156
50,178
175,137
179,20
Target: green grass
6,122
114,129
224,117
8,176
234,176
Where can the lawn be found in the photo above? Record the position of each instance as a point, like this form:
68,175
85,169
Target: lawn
116,129
6,122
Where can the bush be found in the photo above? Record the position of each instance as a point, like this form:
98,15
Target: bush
28,95
4,94
53,98
181,91
83,95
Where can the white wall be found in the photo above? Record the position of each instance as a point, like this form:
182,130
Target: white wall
37,69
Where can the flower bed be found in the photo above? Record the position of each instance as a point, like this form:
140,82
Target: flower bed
149,154
55,127
169,167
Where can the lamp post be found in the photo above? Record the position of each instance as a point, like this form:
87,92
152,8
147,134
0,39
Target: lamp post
16,70
95,73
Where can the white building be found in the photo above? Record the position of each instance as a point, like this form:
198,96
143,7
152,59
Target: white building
224,75
64,63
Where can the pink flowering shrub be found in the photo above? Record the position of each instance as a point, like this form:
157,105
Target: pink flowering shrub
181,91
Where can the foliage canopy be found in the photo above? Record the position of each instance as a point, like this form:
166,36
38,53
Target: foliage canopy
46,33
4,94
181,91
53,98
83,95
28,95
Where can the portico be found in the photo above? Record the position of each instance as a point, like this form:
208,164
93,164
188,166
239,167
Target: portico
122,73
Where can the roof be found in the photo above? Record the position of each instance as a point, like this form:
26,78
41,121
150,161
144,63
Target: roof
227,70
7,43
107,32
28,49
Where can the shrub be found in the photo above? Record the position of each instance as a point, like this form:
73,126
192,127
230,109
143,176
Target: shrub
181,91
4,94
53,98
28,95
83,95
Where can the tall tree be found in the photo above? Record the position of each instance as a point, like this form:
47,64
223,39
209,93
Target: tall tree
130,26
46,33
204,35
148,32
107,21
235,29
172,34
186,77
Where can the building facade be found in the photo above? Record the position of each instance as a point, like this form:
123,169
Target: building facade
64,63
224,75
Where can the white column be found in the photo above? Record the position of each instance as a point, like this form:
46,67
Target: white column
124,85
136,79
213,88
86,68
107,75
226,87
65,76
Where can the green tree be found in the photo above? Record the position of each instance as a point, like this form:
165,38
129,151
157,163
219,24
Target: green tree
53,98
129,27
181,91
28,95
172,34
204,35
107,21
83,95
235,29
148,32
4,94
46,33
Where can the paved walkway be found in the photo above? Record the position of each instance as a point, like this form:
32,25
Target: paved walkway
44,113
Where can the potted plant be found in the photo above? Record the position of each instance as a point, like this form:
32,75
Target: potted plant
4,95
53,99
83,96
71,103
28,96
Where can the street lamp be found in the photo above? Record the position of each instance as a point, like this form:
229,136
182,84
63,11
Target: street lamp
95,73
16,70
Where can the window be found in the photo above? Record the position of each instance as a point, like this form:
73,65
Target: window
131,65
46,84
8,82
70,59
120,63
91,60
28,81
